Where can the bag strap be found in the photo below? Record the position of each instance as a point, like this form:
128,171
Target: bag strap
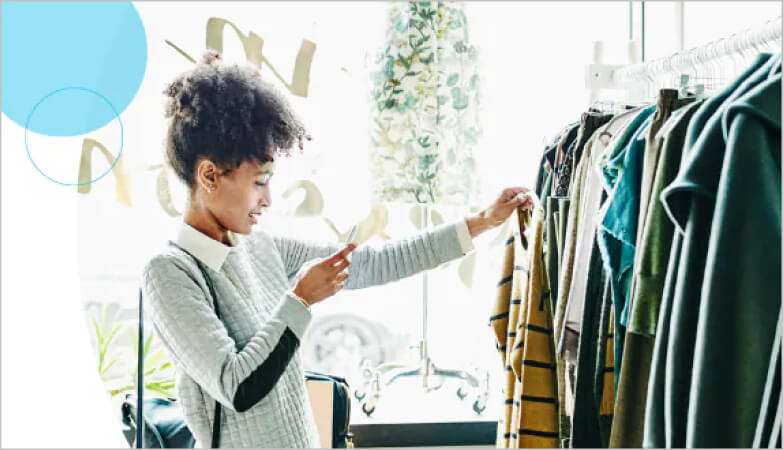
139,379
140,385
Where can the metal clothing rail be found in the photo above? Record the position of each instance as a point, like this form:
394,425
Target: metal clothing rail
738,43
749,42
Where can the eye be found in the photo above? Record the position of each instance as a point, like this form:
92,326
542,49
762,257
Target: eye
264,180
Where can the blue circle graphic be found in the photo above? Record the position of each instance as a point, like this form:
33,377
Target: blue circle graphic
100,46
73,90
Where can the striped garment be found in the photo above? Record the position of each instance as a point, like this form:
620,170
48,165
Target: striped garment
607,393
522,322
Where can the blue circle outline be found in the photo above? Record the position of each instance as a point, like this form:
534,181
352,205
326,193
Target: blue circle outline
79,88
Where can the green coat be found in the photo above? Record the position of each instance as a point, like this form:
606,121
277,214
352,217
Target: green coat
690,204
741,289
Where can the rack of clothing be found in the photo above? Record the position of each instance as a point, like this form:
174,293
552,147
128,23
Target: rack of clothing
640,304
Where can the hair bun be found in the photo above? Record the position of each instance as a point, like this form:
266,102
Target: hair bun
211,58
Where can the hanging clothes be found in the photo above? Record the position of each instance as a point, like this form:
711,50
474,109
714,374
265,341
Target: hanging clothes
591,421
588,123
628,421
653,255
561,152
587,321
654,248
547,163
565,241
662,239
768,427
522,323
691,211
582,149
617,225
555,206
737,318
591,199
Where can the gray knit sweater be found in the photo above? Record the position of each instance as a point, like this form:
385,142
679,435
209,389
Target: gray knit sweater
248,360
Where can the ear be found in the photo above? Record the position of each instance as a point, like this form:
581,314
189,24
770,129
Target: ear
207,174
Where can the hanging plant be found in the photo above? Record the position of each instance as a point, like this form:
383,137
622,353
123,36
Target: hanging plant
425,95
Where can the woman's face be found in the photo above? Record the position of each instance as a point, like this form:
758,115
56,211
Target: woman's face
240,195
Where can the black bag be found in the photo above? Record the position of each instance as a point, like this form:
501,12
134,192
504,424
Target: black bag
341,410
164,426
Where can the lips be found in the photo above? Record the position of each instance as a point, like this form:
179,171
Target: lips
254,217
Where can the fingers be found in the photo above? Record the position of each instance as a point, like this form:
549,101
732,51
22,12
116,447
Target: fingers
341,259
346,252
509,194
339,265
526,200
341,255
342,276
512,191
337,286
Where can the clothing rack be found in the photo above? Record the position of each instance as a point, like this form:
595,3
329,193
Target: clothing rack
637,76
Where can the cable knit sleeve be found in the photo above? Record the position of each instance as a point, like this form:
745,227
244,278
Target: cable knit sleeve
177,299
393,261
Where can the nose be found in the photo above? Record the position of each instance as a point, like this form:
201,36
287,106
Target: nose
265,200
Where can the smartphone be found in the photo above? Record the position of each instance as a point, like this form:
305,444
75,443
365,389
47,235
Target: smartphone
353,235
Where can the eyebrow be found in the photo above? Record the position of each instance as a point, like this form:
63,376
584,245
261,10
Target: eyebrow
264,172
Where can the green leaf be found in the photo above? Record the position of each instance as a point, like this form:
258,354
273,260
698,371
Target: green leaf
103,318
388,68
155,359
470,135
104,370
474,82
459,99
147,345
180,51
97,330
164,392
112,335
452,79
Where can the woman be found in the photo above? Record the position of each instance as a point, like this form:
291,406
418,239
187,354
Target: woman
226,127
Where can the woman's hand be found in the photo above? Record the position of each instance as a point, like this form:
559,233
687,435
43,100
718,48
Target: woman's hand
498,212
321,279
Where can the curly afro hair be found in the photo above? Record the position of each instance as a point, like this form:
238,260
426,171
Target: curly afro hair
229,115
